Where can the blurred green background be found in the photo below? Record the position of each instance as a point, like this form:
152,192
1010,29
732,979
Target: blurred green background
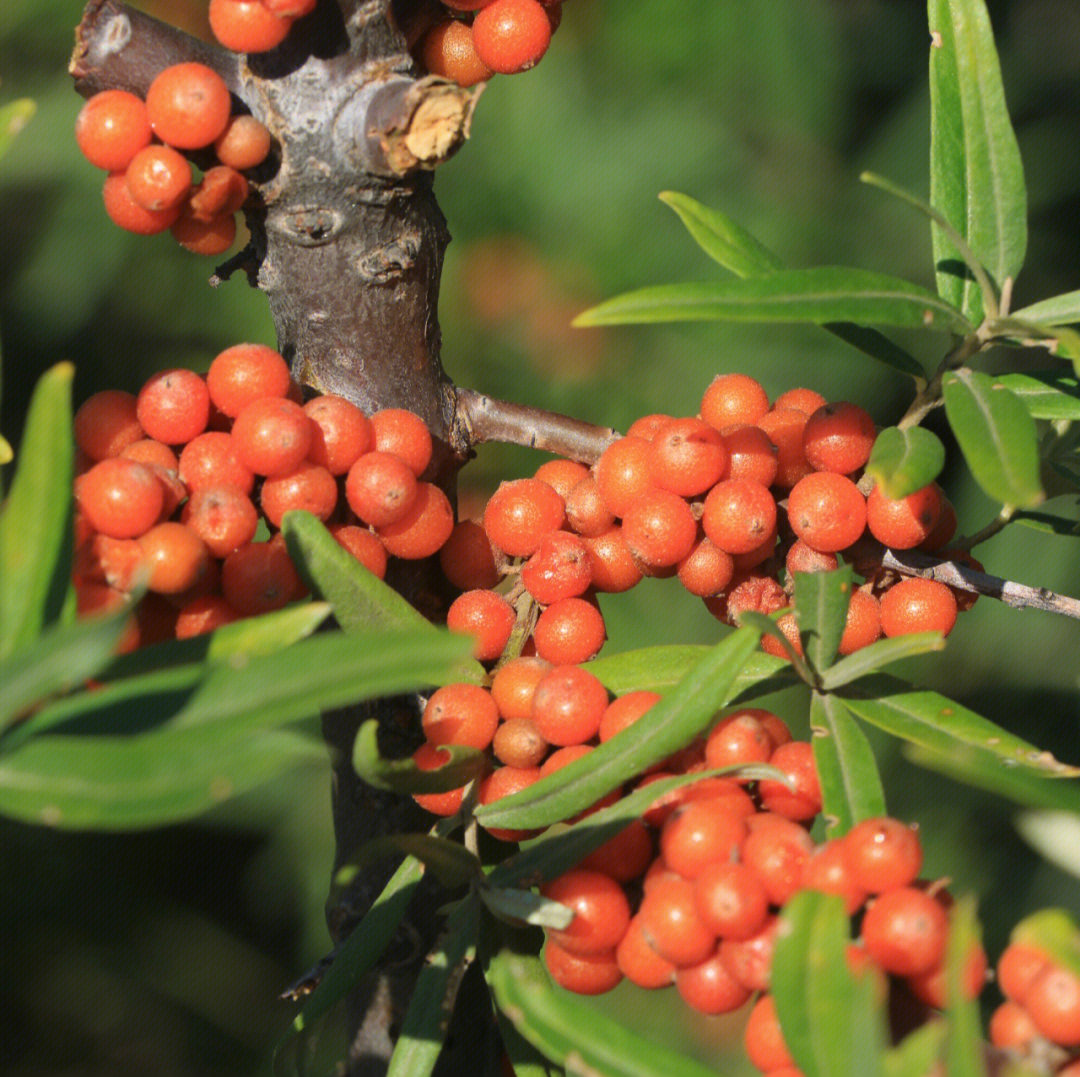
163,952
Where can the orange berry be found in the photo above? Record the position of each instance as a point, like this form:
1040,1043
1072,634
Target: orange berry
838,437
569,631
244,143
188,105
903,523
126,213
247,25
106,424
174,406
487,617
738,515
733,399
158,177
175,556
917,605
111,128
424,528
827,511
511,35
448,50
404,434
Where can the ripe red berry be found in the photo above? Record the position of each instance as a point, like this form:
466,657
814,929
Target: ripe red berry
562,475
272,436
260,577
785,426
593,974
380,488
466,558
882,854
211,460
174,406
731,899
569,631
487,617
511,35
613,566
448,50
801,800
219,194
917,605
623,473
1017,967
404,434
432,757
568,704
660,529
206,237
709,987
121,498
363,545
222,516
520,513
688,456
460,714
158,177
763,1038
601,911
1053,1001
310,488
111,128
639,962
106,424
175,557
827,511
514,686
126,213
188,105
424,528
244,143
751,455
505,782
800,399
559,568
247,25
904,931
739,514
903,523
733,399
672,924
706,570
244,373
701,833
838,437
621,713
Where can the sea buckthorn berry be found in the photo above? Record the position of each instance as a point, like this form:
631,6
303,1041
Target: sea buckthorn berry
466,558
917,605
562,475
448,51
511,35
423,529
709,987
763,1038
1017,967
517,743
569,631
803,558
932,987
363,545
751,455
111,128
120,498
126,213
244,143
158,177
779,853
827,511
706,570
260,577
272,436
222,516
805,400
789,628
211,460
460,714
153,453
1011,1026
639,962
785,427
624,857
745,562
209,238
671,923
487,617
613,566
623,473
188,105
203,614
292,9
740,737
827,872
117,562
560,568
660,529
739,514
220,192
594,974
174,406
648,426
310,488
738,800
750,960
688,456
505,782
945,528
1053,1001
882,854
175,556
586,512
247,25
838,437
802,800
904,931
244,373
520,513
342,433
404,434
749,592
380,488
514,686
701,833
733,399
568,704
432,757
601,911
904,522
623,712
862,625
731,899
106,424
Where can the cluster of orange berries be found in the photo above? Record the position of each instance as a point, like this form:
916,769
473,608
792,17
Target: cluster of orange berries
166,491
150,185
469,41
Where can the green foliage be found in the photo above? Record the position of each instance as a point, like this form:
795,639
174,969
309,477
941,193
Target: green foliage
905,460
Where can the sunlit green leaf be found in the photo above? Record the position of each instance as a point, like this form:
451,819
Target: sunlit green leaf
404,776
1057,310
997,437
1047,394
35,523
976,177
821,604
881,653
918,1053
513,904
830,1017
903,461
820,295
524,1057
850,784
1047,523
965,1054
1054,835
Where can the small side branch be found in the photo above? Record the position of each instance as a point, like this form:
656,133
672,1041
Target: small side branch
1018,595
481,418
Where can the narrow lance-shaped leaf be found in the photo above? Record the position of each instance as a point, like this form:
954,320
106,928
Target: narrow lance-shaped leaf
767,625
850,784
881,653
818,295
976,177
903,461
1058,310
1047,394
996,435
451,863
965,1054
35,521
830,1018
461,765
821,604
918,1053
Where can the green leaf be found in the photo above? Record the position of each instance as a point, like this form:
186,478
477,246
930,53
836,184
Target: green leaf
976,177
878,654
830,1019
997,437
523,906
35,522
850,784
360,599
821,604
820,295
668,726
1047,523
721,238
965,1054
526,1060
404,776
582,1038
1058,310
878,346
767,626
14,116
1047,394
427,1019
919,1052
1054,835
903,461
452,864
63,658
1055,932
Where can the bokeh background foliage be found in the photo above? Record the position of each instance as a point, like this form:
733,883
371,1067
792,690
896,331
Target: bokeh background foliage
163,952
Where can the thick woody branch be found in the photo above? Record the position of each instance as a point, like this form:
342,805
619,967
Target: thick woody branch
481,418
